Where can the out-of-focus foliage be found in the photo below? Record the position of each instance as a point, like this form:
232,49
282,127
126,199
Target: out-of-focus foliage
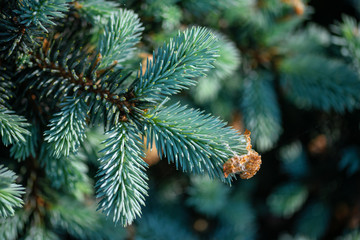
350,160
208,197
294,161
287,199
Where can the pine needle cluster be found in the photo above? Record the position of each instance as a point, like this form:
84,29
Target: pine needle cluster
67,67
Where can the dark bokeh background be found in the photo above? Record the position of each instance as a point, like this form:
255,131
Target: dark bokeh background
326,12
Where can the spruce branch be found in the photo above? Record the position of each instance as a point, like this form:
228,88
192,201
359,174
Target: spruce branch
64,172
23,26
122,33
70,80
73,72
82,225
313,39
229,58
261,110
122,185
10,192
23,149
11,227
40,232
41,13
196,142
208,87
6,86
175,64
95,11
165,13
347,36
92,84
187,56
12,127
319,82
67,128
254,16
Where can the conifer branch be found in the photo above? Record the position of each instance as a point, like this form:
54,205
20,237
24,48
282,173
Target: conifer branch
30,20
261,110
225,66
314,81
6,86
122,33
64,172
67,128
78,82
122,185
40,231
196,142
175,64
11,227
10,192
84,224
12,127
100,87
95,10
348,38
22,150
40,13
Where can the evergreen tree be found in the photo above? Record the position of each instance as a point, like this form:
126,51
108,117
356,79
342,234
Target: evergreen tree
67,67
77,113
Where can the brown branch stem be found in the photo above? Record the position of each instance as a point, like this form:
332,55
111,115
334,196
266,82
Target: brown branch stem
88,85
